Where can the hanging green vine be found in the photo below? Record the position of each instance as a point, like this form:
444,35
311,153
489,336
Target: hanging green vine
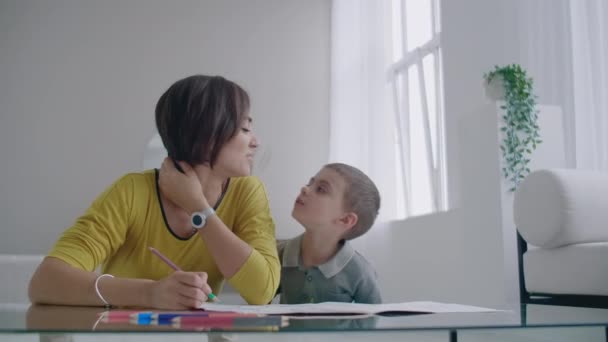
520,127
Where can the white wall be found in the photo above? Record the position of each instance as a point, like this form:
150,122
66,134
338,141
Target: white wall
79,80
546,44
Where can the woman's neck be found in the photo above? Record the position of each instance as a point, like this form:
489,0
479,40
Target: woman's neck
318,248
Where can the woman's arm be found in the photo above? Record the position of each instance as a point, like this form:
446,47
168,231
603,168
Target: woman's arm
246,255
57,282
185,190
66,276
227,249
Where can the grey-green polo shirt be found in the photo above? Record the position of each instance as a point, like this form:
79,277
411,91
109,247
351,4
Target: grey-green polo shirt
347,277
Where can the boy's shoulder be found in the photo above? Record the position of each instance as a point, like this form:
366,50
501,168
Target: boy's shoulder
348,265
360,267
361,259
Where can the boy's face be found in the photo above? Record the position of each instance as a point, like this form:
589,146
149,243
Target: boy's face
320,202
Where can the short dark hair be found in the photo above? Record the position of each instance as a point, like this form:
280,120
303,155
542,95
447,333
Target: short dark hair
360,196
197,115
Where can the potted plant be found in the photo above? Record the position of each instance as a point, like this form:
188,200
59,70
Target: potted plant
520,128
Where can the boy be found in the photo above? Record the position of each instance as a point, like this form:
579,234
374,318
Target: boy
338,204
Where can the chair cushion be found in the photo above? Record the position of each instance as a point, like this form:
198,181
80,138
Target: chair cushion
575,269
15,272
557,207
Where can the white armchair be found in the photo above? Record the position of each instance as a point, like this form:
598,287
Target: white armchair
16,271
562,218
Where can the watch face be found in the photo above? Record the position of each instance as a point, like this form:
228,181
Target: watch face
197,221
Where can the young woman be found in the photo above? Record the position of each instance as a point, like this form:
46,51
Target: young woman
210,217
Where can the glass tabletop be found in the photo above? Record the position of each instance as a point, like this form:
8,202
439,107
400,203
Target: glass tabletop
66,319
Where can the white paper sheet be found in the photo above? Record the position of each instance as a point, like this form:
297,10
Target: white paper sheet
346,308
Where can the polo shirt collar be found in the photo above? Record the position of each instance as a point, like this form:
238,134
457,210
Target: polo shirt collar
292,257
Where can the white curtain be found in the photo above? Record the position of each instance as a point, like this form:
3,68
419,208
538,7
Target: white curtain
544,33
590,66
361,117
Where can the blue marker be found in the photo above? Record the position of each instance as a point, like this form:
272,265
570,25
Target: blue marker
142,318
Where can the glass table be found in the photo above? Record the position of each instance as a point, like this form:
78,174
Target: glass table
527,322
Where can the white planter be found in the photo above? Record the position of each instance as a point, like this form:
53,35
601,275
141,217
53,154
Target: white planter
495,91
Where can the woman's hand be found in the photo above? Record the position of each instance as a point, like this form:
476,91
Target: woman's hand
180,291
183,189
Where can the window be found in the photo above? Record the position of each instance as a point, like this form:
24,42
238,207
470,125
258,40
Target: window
415,77
371,40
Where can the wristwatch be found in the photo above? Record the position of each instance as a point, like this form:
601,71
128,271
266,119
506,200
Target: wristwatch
199,218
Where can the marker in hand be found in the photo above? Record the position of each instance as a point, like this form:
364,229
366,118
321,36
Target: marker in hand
176,268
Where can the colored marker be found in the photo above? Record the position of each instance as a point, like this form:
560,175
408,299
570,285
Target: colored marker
140,320
161,317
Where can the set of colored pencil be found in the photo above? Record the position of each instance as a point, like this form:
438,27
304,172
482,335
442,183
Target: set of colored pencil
121,316
194,319
167,317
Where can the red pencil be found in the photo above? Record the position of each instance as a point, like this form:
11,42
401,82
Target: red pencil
110,319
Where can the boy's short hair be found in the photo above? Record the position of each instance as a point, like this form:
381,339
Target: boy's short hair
197,115
360,196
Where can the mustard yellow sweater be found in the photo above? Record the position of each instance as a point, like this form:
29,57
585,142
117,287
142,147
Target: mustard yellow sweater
124,220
